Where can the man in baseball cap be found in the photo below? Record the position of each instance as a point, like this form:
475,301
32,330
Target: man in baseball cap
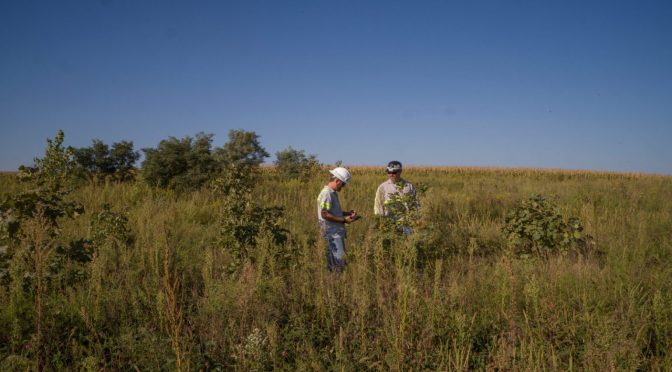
387,202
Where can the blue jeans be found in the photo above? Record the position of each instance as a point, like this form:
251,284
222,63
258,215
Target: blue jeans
335,252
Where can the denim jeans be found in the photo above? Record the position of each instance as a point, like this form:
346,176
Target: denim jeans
335,252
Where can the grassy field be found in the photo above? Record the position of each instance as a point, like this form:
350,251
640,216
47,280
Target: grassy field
162,292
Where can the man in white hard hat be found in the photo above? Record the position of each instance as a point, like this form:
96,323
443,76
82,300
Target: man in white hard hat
395,195
332,219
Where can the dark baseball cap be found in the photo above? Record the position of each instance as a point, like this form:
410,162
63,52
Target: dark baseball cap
393,166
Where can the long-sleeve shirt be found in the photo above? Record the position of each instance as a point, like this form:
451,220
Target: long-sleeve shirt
385,193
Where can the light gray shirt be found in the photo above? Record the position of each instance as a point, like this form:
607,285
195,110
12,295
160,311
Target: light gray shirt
388,189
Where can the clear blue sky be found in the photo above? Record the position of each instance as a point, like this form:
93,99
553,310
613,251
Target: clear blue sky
552,84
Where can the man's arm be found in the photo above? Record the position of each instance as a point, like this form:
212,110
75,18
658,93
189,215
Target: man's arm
334,218
378,208
415,197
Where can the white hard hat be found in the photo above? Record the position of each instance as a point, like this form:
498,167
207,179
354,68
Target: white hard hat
341,173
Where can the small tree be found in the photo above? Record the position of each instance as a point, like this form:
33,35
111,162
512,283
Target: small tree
243,221
404,224
293,163
55,171
49,179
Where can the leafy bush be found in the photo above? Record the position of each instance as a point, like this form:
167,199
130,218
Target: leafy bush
242,225
536,227
69,263
406,225
108,225
293,163
242,221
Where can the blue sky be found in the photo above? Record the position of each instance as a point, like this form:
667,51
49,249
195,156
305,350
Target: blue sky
551,84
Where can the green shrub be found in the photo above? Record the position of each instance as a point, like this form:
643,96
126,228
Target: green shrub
243,222
405,225
108,225
536,227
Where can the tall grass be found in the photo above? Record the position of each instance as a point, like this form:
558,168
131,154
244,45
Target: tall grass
164,300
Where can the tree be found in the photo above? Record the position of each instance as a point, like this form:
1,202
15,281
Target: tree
243,150
293,163
179,164
49,179
123,157
94,159
189,163
99,159
55,170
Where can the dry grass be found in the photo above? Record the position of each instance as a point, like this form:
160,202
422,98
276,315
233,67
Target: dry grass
166,300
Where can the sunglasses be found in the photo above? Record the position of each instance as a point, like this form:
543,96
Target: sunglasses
393,172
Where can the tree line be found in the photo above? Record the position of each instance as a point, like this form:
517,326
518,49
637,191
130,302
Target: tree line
180,164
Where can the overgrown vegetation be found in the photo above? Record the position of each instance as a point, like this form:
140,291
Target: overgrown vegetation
231,276
36,262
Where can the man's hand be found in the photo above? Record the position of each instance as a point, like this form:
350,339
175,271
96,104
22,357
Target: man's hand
351,216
